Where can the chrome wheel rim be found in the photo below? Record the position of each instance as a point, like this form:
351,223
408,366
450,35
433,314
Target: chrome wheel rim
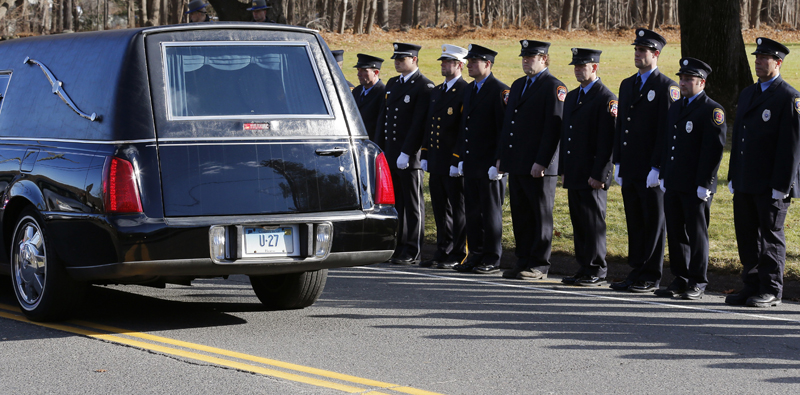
29,263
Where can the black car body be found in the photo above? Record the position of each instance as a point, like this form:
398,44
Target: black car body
160,155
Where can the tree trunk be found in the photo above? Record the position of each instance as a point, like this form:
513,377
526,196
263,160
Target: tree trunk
331,15
713,34
437,12
343,17
156,7
755,14
290,4
576,18
358,18
653,16
566,15
373,6
546,14
407,15
597,15
383,14
519,12
456,11
68,21
415,19
669,19
143,13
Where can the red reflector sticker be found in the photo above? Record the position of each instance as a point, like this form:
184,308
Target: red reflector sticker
257,126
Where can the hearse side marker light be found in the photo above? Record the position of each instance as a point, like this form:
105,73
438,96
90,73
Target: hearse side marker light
216,242
323,240
58,89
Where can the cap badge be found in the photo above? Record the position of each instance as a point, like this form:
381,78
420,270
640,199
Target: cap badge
685,62
758,41
766,115
641,33
469,47
395,47
524,43
574,51
689,126
444,48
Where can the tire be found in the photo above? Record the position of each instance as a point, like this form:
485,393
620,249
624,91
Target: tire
289,291
44,290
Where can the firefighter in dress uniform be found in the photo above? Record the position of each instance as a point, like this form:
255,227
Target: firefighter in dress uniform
370,92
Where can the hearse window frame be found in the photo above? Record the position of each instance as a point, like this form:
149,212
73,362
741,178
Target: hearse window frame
311,60
5,88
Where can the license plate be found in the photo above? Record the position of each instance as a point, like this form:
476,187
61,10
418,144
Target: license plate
270,241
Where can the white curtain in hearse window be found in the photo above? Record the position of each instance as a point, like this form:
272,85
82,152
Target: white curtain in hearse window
243,81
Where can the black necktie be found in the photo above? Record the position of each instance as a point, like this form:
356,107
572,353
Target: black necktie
361,97
757,93
400,80
474,89
444,87
580,95
637,86
527,85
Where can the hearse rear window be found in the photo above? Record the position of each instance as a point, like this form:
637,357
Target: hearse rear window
243,80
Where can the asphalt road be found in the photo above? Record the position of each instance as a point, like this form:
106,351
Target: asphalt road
395,330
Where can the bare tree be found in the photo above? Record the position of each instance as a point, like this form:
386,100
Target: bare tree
566,15
755,14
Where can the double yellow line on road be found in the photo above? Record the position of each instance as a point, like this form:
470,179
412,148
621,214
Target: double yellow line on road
213,356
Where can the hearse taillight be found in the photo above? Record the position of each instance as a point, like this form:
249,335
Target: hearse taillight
119,186
384,190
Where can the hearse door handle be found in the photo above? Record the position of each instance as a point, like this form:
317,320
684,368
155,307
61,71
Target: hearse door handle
331,152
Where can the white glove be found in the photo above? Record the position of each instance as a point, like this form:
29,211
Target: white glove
652,178
424,164
778,195
402,161
703,193
616,174
493,174
730,186
454,172
461,168
661,185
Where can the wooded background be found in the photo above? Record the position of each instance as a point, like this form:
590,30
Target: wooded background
33,17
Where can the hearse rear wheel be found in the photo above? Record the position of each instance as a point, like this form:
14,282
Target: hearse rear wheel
44,290
289,291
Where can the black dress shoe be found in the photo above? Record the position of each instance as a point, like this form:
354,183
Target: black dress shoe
404,260
464,267
643,287
670,291
570,280
621,286
738,299
446,264
429,263
486,269
590,281
763,300
693,293
511,273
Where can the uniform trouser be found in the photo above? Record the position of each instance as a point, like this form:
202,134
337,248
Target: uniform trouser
587,210
410,212
532,202
644,214
687,233
483,200
447,200
762,245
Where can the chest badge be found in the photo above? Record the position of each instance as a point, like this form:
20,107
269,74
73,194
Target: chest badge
766,115
407,99
449,110
689,126
651,95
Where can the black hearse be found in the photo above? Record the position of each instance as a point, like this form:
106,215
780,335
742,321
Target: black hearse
165,154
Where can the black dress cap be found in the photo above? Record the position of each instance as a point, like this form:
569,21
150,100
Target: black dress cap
403,50
368,62
533,48
585,55
338,55
476,51
650,39
770,47
695,67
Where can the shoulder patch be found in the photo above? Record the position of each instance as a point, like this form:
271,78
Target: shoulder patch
612,107
674,93
718,116
561,91
504,95
797,104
